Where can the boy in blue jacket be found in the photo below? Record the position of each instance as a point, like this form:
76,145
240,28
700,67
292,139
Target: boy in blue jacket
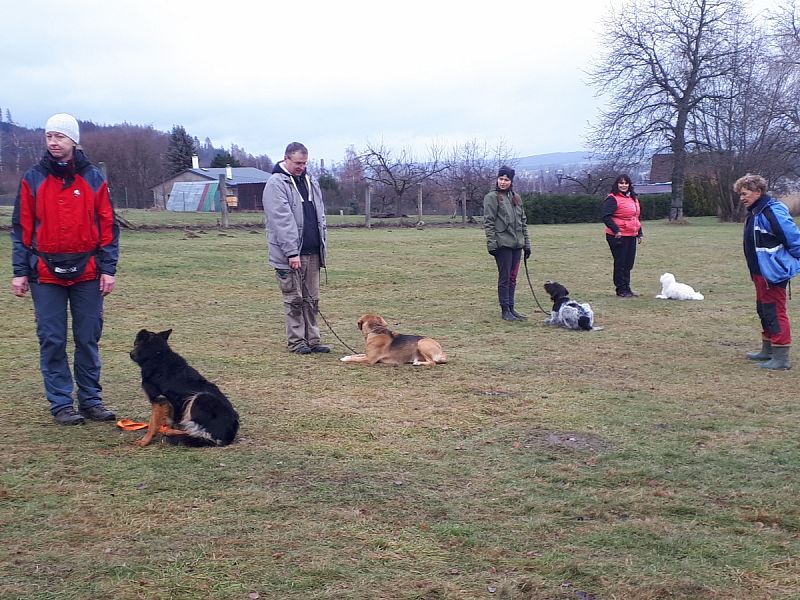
772,250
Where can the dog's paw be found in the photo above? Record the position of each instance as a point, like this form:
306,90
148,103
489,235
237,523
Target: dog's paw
662,297
345,359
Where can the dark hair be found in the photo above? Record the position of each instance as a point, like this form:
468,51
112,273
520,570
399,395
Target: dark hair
623,178
295,147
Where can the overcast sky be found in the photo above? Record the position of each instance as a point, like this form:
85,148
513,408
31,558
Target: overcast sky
327,73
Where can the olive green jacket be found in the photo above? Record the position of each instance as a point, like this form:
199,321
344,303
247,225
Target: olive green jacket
506,225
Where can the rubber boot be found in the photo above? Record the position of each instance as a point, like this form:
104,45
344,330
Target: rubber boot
779,360
519,316
507,314
764,354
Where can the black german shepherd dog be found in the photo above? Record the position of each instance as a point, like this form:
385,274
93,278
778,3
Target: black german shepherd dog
186,407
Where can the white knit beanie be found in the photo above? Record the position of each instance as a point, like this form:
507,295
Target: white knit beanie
66,124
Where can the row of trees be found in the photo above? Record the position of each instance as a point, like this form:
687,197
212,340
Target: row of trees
703,76
136,157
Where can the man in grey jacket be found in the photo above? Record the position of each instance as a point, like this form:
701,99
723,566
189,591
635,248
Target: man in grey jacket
296,235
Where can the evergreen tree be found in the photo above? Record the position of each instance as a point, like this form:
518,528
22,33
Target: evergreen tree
223,159
180,150
8,117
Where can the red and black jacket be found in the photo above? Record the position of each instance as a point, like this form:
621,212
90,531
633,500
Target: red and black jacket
63,208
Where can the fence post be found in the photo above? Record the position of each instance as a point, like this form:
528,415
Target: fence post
419,203
367,206
223,200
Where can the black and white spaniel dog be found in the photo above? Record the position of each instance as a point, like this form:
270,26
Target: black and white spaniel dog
567,313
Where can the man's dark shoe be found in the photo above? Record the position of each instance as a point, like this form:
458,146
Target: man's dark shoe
302,349
68,416
98,412
320,348
625,294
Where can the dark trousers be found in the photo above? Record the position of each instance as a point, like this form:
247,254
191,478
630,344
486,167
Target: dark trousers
508,260
623,250
86,309
771,308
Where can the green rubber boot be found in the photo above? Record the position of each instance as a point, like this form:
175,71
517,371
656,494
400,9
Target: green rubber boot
779,360
764,354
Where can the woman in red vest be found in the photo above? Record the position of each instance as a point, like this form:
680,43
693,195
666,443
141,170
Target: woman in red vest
623,231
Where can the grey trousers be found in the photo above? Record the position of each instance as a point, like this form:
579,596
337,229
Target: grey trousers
300,291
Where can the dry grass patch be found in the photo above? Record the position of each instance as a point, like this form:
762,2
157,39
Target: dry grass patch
648,460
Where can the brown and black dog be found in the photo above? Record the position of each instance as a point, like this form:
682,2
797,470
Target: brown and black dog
186,407
384,346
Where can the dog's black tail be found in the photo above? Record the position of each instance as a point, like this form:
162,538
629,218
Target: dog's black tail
585,323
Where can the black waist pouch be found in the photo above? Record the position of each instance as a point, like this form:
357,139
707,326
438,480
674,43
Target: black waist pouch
66,265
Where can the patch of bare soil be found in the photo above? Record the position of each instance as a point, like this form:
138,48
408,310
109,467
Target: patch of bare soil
572,440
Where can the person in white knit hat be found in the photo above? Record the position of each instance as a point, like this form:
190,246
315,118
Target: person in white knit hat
65,247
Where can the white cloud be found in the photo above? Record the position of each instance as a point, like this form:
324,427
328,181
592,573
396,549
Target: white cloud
330,74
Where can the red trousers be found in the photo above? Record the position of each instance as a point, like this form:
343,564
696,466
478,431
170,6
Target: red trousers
771,308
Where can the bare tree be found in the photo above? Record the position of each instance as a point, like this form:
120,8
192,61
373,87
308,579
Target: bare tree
398,173
660,61
751,125
473,167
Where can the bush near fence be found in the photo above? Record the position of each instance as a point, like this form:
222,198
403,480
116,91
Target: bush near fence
551,209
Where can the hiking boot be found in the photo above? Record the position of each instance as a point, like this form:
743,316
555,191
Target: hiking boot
68,416
301,349
98,412
321,349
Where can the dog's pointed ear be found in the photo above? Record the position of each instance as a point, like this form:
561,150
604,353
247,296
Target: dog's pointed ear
164,334
566,292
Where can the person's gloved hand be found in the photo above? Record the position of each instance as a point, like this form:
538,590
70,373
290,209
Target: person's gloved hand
493,252
527,253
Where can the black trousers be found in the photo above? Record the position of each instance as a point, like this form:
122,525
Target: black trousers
508,261
623,250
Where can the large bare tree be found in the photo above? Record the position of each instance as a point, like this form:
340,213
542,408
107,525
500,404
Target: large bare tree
661,58
752,125
473,168
397,172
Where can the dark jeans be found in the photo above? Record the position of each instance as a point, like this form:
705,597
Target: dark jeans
508,260
86,309
624,252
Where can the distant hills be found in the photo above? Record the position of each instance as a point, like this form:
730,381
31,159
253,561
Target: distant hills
557,160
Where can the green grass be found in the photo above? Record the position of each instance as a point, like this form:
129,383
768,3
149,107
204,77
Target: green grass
647,460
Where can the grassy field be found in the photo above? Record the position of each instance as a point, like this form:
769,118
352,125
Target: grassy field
146,219
648,460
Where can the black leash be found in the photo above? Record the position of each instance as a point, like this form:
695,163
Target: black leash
319,312
530,285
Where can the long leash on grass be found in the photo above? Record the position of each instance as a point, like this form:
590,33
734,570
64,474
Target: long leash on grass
319,312
530,285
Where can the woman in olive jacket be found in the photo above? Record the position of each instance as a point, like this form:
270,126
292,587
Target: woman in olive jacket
507,238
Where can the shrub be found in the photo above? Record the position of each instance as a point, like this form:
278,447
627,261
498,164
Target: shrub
550,209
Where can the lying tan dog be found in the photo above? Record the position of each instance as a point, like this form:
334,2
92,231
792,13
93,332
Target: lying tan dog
384,346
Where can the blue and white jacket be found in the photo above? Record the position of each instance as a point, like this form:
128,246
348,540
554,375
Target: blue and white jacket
771,241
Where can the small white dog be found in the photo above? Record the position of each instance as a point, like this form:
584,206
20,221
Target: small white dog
672,290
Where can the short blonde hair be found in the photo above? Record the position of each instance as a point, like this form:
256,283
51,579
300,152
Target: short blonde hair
754,183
